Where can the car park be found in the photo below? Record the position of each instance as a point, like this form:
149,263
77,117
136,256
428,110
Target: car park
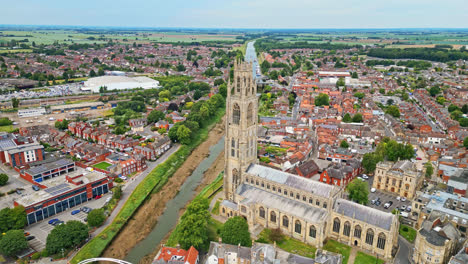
123,178
74,212
378,203
403,199
398,198
52,221
408,209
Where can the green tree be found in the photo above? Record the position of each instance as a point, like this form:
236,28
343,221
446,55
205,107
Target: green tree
344,144
340,83
62,125
359,95
393,111
405,96
96,217
429,169
117,192
193,226
12,218
369,161
100,72
218,81
464,109
223,90
382,91
322,99
184,134
15,102
3,179
155,116
66,236
236,231
354,75
92,73
358,191
452,108
347,118
463,122
434,90
13,242
465,142
357,118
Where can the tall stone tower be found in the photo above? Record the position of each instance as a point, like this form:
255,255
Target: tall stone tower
241,127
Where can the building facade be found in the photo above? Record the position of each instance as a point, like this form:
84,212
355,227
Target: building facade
302,208
401,178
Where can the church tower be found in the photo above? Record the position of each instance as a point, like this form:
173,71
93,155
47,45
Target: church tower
241,127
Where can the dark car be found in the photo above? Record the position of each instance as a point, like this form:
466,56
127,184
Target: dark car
30,238
56,223
35,188
74,212
52,221
378,202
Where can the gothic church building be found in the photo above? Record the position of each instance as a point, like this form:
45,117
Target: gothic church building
302,208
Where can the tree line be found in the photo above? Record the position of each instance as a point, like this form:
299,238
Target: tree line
432,54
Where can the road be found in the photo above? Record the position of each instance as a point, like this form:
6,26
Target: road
129,187
405,252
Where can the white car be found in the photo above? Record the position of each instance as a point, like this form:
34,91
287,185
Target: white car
372,190
403,199
365,177
398,198
360,178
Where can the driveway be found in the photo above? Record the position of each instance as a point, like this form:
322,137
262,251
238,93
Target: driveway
405,251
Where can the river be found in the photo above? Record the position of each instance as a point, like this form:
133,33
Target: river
168,219
251,56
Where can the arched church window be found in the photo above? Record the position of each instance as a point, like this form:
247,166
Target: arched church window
236,114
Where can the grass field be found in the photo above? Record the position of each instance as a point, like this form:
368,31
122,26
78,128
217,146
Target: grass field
290,245
102,165
6,128
15,50
362,258
410,234
70,36
339,248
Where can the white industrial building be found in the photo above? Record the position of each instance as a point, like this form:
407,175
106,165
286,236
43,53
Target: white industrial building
31,112
119,83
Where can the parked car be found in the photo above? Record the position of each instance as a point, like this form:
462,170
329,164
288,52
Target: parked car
30,238
26,233
398,198
388,204
403,199
98,197
74,212
372,190
19,192
59,222
403,207
365,177
418,158
35,188
378,203
123,178
52,221
86,209
360,178
408,209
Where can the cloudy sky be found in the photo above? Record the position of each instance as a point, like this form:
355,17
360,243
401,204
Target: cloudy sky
239,13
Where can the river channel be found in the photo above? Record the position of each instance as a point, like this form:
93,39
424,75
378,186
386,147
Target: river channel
168,219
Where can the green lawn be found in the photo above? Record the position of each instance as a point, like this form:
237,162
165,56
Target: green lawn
362,258
213,227
334,246
289,244
6,128
102,165
215,209
410,234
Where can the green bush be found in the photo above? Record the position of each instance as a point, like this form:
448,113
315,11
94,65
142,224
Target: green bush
405,228
36,256
45,253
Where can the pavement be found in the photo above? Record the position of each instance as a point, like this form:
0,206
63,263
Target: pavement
405,251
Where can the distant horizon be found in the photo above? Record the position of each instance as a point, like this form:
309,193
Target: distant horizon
240,14
232,28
